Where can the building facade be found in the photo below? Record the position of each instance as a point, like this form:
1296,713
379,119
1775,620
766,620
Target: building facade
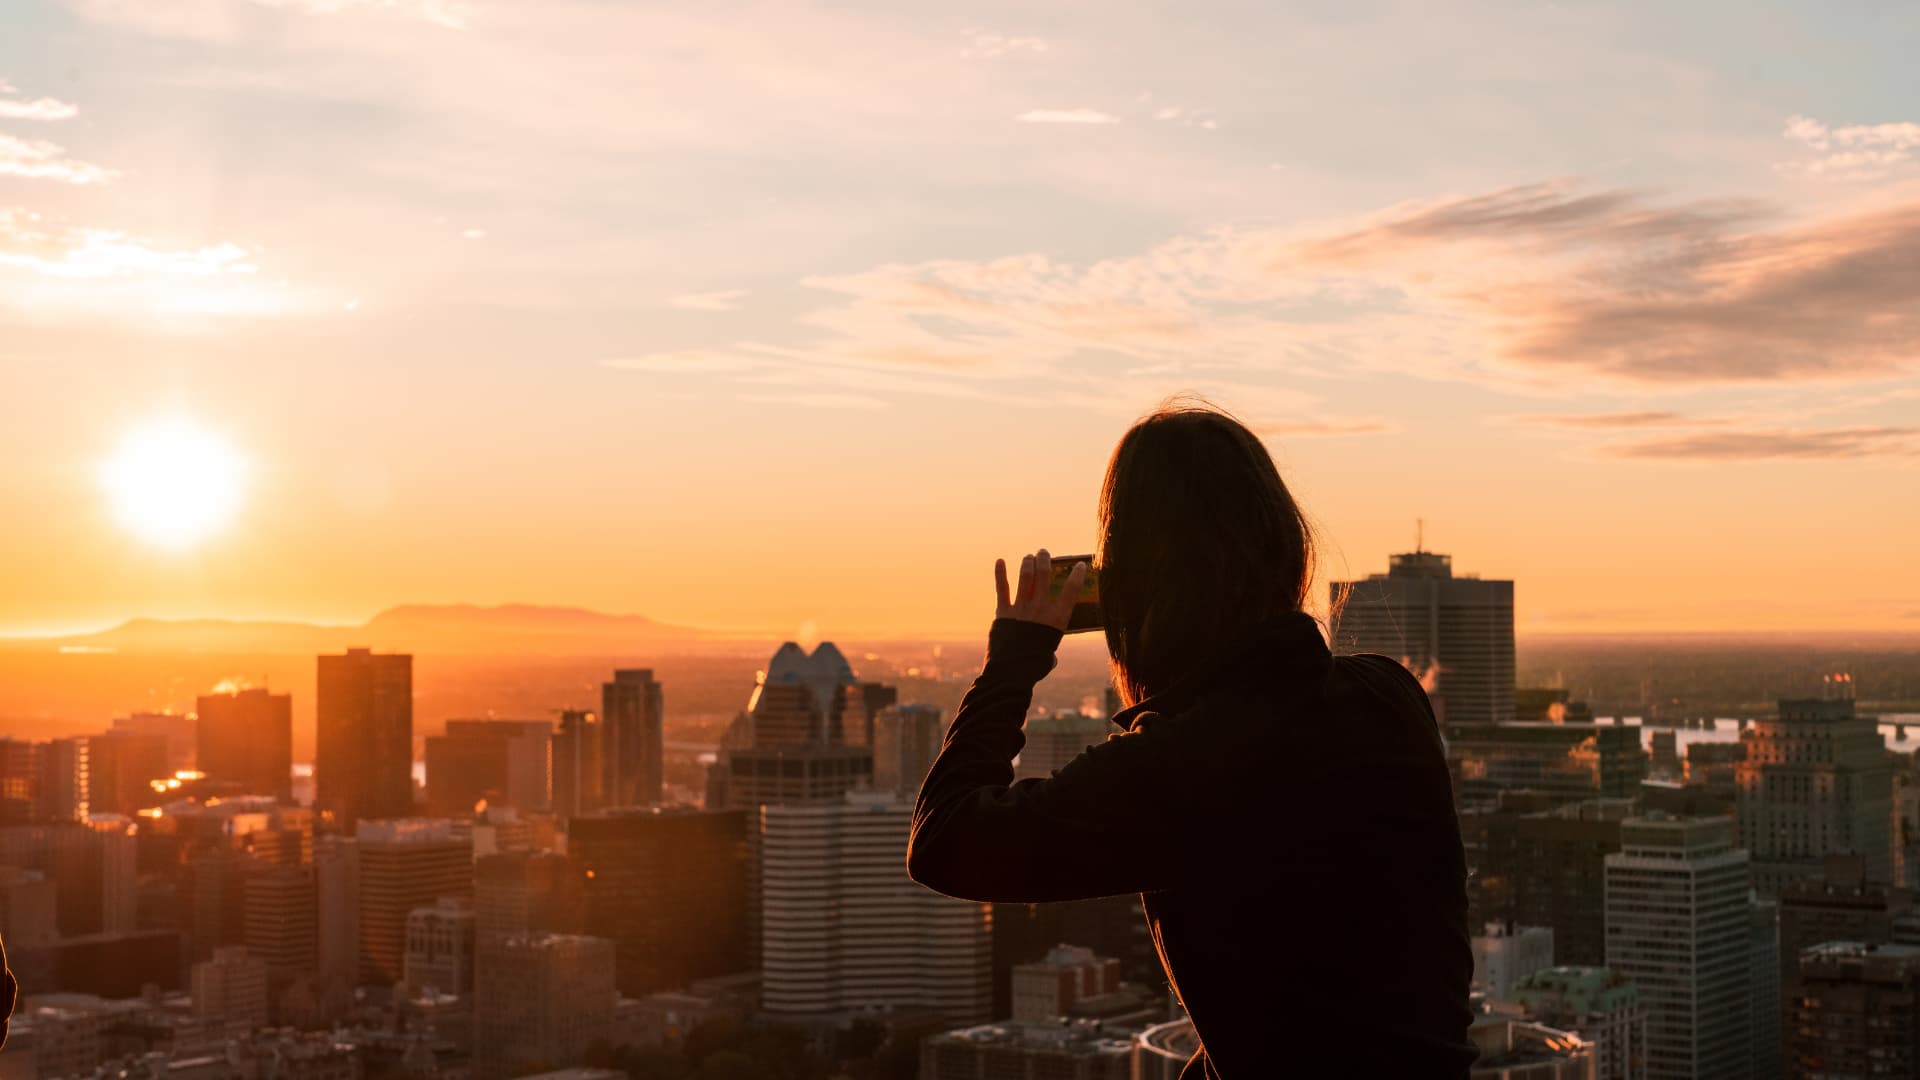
1816,781
363,763
247,736
1455,633
632,738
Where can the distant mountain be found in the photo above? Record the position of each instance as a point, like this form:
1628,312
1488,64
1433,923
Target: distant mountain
438,628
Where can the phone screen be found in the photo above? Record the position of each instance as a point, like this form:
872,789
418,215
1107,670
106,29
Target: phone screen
1086,608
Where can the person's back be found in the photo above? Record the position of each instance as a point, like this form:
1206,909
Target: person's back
1286,815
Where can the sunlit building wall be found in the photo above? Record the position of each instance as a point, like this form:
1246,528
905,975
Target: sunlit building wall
1816,781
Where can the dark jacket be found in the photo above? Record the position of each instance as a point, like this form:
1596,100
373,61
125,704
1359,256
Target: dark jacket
1287,817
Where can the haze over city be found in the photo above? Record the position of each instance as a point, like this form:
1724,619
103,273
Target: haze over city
795,326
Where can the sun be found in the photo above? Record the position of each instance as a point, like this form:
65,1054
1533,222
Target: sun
173,483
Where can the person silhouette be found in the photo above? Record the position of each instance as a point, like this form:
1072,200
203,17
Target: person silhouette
1285,813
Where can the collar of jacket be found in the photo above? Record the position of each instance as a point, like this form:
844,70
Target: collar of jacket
1287,645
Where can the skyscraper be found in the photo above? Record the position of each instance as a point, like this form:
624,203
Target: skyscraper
404,864
577,771
1455,633
500,762
906,740
64,780
1816,781
363,767
1548,868
669,889
247,736
281,923
1855,1011
847,932
1678,925
632,738
121,767
790,745
542,999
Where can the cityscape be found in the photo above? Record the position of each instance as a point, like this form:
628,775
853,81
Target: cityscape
1651,896
501,503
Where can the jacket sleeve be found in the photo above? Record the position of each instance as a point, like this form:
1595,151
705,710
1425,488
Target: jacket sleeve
1098,827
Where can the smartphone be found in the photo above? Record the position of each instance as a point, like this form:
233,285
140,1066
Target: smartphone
1086,607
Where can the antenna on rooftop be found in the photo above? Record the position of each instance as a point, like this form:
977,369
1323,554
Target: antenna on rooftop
1419,535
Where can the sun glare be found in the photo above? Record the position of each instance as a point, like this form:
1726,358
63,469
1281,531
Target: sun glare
173,483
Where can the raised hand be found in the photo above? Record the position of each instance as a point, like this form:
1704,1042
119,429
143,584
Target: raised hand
1035,600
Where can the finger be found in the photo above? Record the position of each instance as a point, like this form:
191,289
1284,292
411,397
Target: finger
1025,591
1000,584
1043,571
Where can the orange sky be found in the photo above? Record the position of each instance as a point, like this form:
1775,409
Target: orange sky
495,310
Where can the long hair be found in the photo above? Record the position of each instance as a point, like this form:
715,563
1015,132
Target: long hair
1199,541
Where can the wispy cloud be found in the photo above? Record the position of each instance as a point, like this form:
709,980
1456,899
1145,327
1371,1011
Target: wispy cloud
219,18
986,46
1776,445
1326,428
819,400
686,363
1615,420
50,268
44,108
40,160
720,300
1066,116
1852,151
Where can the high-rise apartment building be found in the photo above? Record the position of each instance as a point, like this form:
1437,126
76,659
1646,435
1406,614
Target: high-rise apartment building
1854,1010
577,770
632,738
1816,781
669,888
363,765
231,988
541,999
906,739
1455,633
1601,1004
246,736
404,864
1563,762
846,931
490,762
1678,926
64,780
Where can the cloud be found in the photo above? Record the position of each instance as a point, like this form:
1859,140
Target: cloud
686,363
223,19
44,108
984,46
720,300
1308,429
452,14
40,160
1853,151
1776,445
1066,116
49,269
1615,420
819,400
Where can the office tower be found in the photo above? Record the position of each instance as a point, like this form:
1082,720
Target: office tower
906,739
64,780
180,730
1506,954
541,1000
363,765
528,892
1842,905
669,888
281,925
440,941
28,902
1855,1011
1052,741
874,698
846,931
492,762
211,900
1520,1050
231,988
790,745
1764,1048
1456,633
1678,926
404,864
632,738
122,767
1565,762
19,782
1548,868
577,771
1049,988
1816,781
247,736
1082,1050
1601,1004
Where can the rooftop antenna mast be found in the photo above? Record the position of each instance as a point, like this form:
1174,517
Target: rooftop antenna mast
1419,535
